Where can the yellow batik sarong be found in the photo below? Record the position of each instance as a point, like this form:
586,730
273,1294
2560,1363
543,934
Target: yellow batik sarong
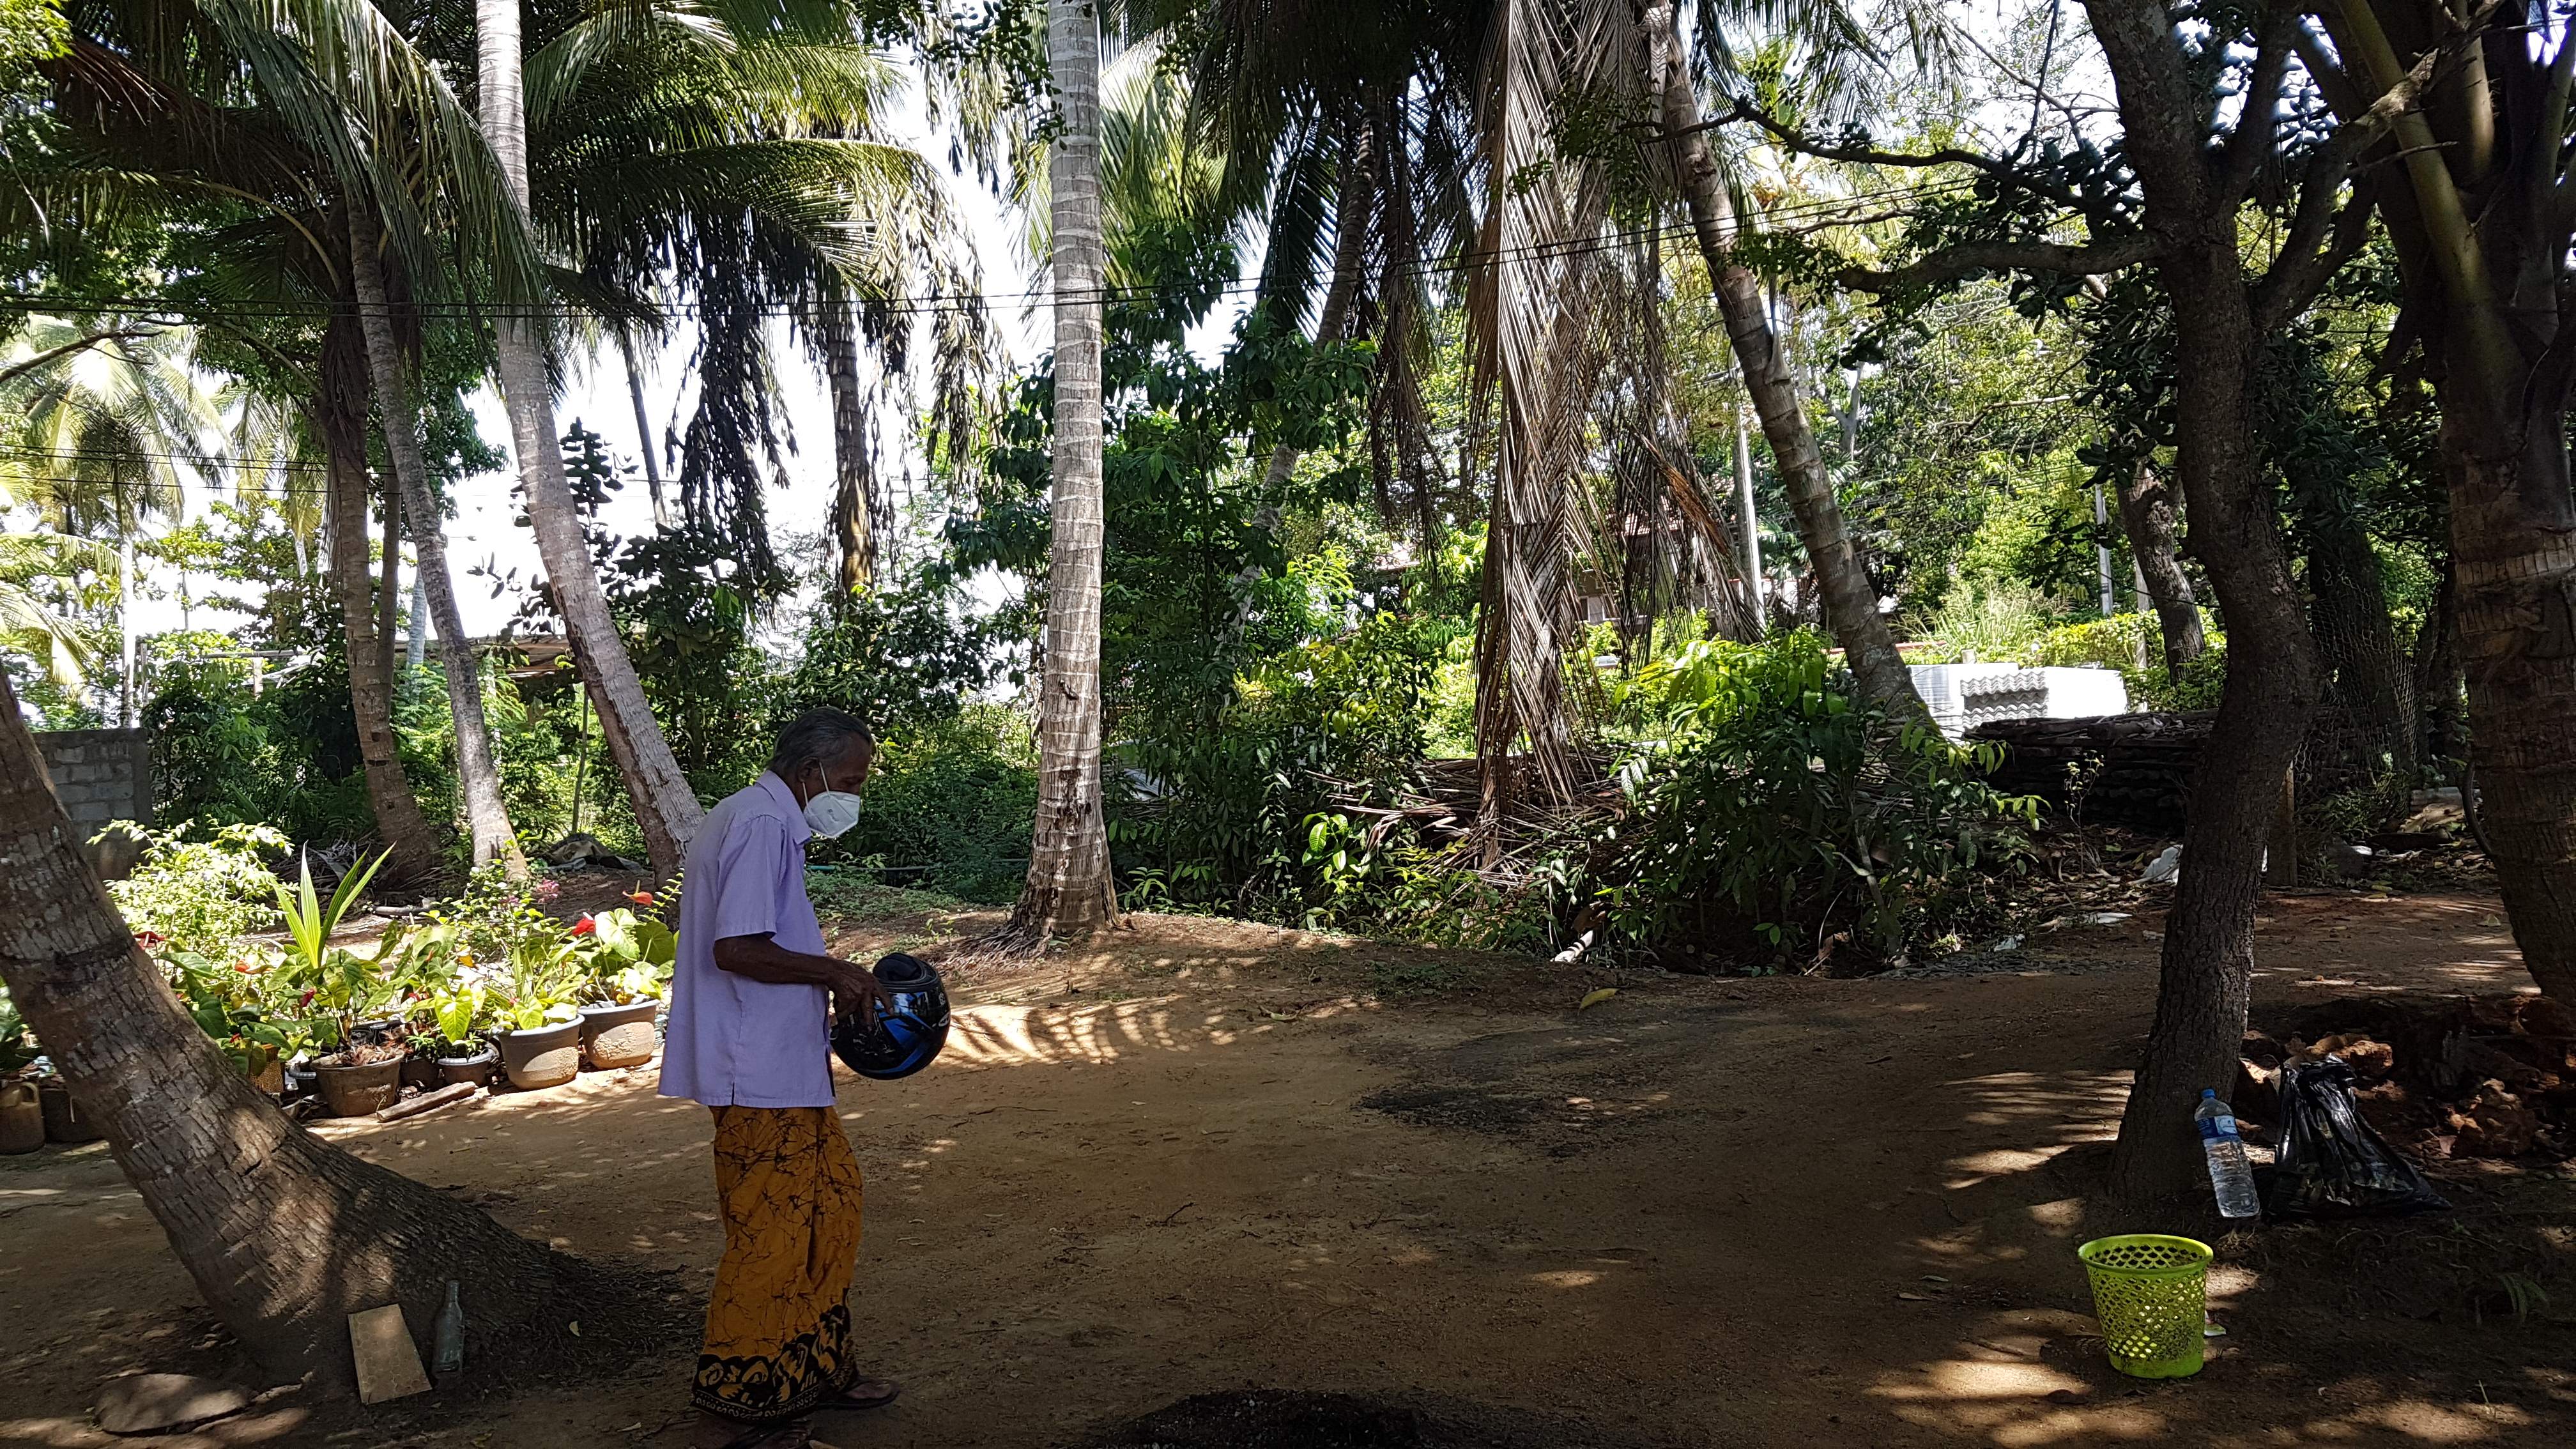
778,1323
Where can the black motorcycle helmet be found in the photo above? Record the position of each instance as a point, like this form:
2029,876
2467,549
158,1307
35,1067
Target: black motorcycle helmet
905,1038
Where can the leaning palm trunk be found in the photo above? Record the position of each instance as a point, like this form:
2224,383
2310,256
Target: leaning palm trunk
1069,889
339,415
1851,604
666,805
285,1235
477,769
854,498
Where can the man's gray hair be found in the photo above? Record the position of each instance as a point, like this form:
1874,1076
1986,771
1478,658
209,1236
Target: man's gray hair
818,734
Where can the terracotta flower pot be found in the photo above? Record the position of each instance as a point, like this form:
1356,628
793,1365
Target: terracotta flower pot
63,1120
618,1036
22,1118
358,1091
547,1057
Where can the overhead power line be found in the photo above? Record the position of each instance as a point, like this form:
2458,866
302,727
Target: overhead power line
1815,215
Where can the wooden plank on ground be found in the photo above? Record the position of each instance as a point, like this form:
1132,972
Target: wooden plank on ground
388,1361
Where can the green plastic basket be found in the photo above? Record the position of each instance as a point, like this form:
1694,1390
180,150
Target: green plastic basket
2151,1294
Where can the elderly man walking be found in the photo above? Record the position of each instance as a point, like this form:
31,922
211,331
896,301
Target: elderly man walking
752,1002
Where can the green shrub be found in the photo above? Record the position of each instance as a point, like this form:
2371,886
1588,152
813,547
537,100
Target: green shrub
949,806
1226,810
198,895
1789,813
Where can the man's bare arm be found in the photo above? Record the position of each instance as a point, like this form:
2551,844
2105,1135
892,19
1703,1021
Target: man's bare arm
761,958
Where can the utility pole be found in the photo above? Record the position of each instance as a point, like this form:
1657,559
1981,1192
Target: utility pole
2102,551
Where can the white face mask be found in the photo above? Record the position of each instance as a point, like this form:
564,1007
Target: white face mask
832,812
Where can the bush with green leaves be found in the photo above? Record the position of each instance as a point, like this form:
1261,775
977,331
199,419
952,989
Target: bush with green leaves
1791,819
949,806
1237,809
198,895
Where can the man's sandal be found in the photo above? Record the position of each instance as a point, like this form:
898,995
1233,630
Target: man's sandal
865,1394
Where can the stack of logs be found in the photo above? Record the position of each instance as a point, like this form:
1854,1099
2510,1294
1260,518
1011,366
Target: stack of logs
2130,769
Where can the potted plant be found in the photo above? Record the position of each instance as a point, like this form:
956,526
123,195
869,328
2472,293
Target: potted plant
628,971
462,1011
342,989
540,1036
22,1110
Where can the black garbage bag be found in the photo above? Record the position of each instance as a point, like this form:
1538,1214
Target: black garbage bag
2332,1164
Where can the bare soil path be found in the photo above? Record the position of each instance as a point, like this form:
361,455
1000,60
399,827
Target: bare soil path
1212,1157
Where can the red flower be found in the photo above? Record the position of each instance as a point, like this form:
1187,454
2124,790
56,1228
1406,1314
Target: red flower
584,926
642,898
245,968
149,939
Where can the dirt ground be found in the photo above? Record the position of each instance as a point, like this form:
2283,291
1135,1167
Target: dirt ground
1215,1157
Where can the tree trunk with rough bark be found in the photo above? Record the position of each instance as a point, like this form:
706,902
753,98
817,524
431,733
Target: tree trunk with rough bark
2482,228
2147,517
2368,730
1851,604
478,770
340,417
284,1234
666,805
854,493
2271,691
1069,889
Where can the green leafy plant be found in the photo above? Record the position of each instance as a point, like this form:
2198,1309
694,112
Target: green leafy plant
1791,818
537,985
340,987
628,958
199,895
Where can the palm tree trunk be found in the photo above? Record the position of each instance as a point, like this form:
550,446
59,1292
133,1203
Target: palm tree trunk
389,590
477,770
644,433
854,496
666,804
1755,595
2147,516
285,1235
2482,254
1069,889
339,415
1851,604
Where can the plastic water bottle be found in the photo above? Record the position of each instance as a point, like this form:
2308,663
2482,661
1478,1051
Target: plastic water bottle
2226,1153
449,1354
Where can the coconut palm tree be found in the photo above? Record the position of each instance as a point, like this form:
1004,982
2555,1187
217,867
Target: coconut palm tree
56,643
166,123
666,807
103,424
733,165
284,1234
1069,889
2483,224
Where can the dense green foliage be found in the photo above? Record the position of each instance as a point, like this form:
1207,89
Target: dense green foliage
1787,818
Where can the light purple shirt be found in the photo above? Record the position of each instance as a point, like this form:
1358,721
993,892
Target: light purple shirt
733,1041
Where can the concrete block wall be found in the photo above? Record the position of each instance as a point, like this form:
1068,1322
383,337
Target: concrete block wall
102,776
